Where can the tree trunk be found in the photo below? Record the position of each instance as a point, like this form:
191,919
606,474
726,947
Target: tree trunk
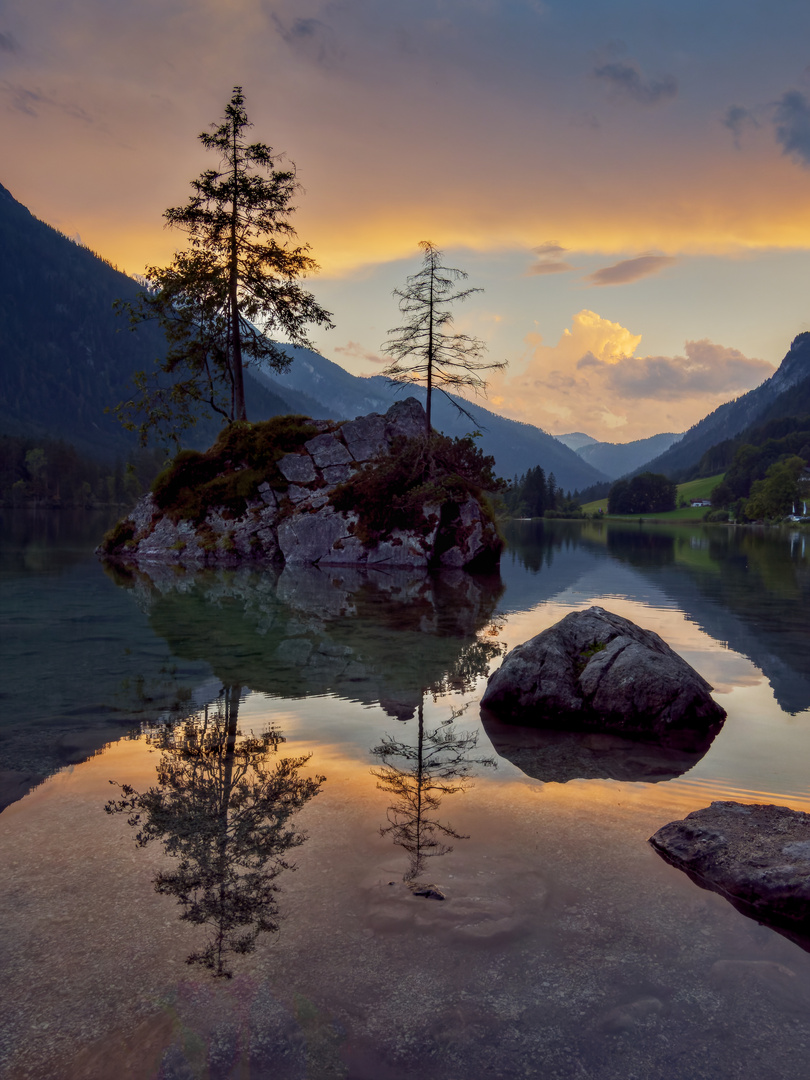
430,354
238,408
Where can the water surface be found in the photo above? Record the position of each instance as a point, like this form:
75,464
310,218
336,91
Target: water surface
564,945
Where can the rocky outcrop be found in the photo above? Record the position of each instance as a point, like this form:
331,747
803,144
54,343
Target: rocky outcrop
295,521
596,671
757,856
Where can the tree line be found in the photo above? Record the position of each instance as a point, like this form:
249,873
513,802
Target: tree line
51,472
765,479
647,493
536,495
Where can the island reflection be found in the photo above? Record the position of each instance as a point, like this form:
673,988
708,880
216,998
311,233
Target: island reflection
369,636
223,809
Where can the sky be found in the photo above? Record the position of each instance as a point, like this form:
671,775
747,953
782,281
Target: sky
628,183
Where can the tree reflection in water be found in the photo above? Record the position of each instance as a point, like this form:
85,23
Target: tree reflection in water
419,776
223,807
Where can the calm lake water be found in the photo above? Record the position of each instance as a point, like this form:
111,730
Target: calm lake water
563,947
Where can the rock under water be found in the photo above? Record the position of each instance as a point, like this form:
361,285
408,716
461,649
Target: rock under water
757,856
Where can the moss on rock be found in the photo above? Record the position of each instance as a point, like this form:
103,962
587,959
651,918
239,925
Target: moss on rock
228,475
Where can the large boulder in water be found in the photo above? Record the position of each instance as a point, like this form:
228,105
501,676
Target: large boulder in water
757,856
597,671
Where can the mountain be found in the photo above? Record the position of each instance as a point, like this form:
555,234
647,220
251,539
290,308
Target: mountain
616,459
65,355
782,391
575,440
340,395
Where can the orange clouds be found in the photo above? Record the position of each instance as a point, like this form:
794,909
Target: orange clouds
446,121
592,381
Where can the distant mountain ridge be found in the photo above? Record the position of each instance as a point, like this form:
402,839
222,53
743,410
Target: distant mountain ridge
331,392
616,459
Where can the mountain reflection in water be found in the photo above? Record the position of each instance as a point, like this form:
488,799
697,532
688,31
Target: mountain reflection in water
222,808
747,587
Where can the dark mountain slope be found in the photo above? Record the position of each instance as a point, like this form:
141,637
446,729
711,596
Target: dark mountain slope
730,419
64,353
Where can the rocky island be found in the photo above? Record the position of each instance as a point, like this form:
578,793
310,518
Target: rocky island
370,492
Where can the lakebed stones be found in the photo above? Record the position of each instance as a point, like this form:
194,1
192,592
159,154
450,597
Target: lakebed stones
296,523
596,671
757,856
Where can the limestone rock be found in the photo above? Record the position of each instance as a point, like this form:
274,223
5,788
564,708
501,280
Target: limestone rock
405,420
327,450
297,523
299,468
310,538
757,856
595,670
365,437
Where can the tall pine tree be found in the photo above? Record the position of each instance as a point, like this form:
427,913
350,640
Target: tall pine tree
223,300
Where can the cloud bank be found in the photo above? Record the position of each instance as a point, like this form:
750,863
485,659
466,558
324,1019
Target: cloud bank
792,125
627,83
549,260
593,381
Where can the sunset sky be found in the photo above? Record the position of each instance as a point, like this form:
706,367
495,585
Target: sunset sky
628,182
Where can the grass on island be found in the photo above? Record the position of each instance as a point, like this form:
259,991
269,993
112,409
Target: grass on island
693,489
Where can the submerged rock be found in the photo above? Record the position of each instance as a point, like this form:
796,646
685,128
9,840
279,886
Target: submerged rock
597,671
757,856
246,501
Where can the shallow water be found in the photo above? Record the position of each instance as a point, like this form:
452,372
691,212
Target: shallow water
564,946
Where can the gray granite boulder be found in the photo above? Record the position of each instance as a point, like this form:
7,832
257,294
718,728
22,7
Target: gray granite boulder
595,670
757,856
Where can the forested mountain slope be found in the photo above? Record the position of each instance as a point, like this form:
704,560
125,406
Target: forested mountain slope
65,354
730,419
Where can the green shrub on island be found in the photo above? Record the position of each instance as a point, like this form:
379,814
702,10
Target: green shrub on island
392,492
229,473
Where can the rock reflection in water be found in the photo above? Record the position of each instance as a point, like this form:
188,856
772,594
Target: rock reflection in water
222,807
366,635
555,756
419,775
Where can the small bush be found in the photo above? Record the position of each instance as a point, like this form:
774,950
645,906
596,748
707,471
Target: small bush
123,532
392,492
230,473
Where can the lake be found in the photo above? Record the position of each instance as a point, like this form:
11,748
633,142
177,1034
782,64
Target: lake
336,713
